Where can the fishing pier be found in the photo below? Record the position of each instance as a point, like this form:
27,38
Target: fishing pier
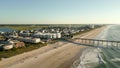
97,43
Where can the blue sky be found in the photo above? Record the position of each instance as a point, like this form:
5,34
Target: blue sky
59,11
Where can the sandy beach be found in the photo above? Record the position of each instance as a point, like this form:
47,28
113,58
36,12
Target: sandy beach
59,55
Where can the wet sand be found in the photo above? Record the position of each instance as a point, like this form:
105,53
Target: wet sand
58,55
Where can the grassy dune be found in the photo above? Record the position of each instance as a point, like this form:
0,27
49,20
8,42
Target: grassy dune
12,52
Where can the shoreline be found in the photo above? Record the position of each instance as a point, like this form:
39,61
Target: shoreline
73,60
77,61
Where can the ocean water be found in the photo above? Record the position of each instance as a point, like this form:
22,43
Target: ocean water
102,57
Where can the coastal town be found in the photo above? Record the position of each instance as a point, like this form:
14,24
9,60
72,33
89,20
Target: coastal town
19,38
43,47
59,34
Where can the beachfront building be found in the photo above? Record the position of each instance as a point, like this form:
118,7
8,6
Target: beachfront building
19,44
2,38
16,44
1,46
29,39
47,35
7,46
25,34
1,33
58,35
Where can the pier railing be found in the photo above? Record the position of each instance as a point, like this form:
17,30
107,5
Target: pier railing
98,43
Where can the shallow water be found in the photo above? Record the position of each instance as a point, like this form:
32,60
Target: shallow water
6,30
102,57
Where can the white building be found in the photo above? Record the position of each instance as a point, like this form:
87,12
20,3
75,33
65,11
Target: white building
7,46
29,40
47,35
92,26
24,34
58,35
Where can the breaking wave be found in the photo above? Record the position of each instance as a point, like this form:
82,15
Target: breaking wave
101,57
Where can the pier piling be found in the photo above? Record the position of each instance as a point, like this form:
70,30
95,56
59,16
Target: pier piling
102,43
